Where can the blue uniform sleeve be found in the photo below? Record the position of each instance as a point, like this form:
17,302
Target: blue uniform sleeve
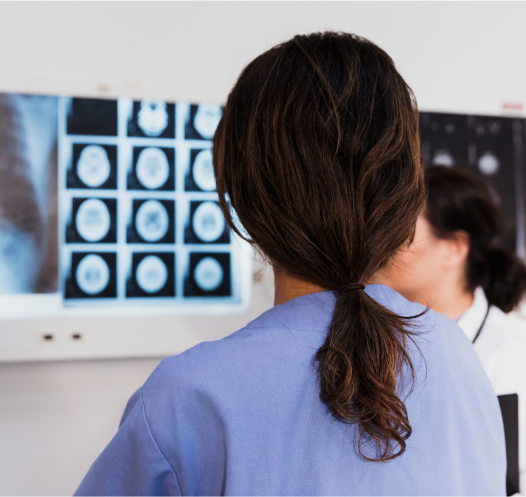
132,463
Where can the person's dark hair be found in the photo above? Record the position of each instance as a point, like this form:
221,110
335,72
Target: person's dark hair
459,201
318,153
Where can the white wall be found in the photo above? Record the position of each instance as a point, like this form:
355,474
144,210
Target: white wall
56,418
465,57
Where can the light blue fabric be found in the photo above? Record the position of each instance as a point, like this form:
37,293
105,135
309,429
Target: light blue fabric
242,416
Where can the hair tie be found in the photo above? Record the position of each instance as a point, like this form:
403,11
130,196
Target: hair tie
351,287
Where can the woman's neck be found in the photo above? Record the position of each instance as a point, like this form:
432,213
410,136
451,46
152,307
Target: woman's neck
288,287
452,300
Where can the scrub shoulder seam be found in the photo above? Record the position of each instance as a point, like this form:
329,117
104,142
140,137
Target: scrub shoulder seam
155,442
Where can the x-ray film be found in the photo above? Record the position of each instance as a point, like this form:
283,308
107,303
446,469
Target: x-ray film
492,148
113,203
140,220
28,194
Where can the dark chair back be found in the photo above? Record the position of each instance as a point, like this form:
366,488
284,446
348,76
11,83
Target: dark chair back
509,406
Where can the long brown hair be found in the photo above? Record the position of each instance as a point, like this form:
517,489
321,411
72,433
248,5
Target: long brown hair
457,200
318,153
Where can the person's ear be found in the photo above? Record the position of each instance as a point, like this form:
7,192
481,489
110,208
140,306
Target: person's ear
456,249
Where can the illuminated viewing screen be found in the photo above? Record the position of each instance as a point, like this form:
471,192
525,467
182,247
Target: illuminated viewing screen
109,207
112,203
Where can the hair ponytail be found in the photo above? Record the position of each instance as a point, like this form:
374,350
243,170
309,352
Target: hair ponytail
459,201
360,365
318,153
503,279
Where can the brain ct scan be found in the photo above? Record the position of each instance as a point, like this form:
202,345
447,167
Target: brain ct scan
199,171
208,274
203,171
151,274
93,220
450,128
494,126
152,117
152,168
202,121
139,216
93,166
443,158
488,164
208,222
206,120
152,221
93,274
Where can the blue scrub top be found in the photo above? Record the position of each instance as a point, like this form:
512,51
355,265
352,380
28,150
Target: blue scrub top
243,416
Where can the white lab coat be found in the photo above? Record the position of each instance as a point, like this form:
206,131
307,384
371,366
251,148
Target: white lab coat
501,347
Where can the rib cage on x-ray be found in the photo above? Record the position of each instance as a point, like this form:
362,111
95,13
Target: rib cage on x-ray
28,194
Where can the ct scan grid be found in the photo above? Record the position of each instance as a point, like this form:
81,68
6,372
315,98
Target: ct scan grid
139,215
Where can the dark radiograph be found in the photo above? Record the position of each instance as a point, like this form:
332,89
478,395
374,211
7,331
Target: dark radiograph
153,168
93,166
200,172
152,275
152,119
208,274
92,275
202,121
490,147
206,224
91,116
92,220
28,194
152,221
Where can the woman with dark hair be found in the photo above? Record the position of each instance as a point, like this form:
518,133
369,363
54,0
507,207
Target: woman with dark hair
339,389
456,266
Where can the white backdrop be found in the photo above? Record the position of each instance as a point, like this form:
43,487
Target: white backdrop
461,57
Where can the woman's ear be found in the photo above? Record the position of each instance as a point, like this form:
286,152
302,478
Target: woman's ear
456,249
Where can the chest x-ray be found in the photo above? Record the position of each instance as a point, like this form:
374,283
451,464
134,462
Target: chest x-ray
28,194
113,202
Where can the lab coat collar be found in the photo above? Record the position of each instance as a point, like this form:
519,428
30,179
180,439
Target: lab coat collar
471,321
